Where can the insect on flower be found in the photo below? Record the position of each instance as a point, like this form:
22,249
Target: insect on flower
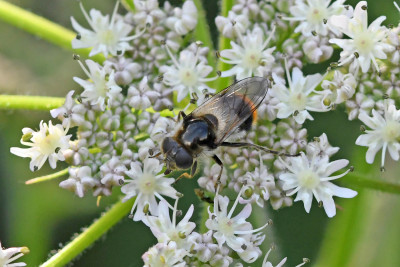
231,111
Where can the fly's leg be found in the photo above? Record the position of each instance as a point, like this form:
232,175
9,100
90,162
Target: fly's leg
186,175
241,144
219,162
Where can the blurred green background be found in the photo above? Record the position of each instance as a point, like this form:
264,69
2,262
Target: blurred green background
44,217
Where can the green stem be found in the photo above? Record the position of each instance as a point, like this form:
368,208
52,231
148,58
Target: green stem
365,182
90,235
41,27
204,217
223,43
47,177
30,102
202,32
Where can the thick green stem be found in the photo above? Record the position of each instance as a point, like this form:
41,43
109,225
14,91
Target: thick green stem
30,102
90,235
365,182
41,27
223,43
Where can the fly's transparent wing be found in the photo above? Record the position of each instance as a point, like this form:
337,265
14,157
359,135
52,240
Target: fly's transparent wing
234,105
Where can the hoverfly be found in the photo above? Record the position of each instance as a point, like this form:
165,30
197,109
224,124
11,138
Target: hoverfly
208,126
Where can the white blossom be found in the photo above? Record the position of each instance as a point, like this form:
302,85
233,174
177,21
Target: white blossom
317,49
340,89
187,75
249,57
203,245
162,127
308,177
258,184
366,43
313,15
209,177
140,97
229,26
107,36
166,230
112,172
7,256
80,179
384,133
147,12
49,142
361,104
99,88
266,263
321,147
146,185
66,113
164,254
184,19
297,99
234,231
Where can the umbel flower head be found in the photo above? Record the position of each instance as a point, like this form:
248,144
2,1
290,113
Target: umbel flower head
308,177
48,143
146,185
384,133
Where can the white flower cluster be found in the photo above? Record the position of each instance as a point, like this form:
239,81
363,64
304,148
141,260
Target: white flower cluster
226,234
153,62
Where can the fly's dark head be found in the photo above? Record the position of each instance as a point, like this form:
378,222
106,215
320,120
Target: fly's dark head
175,156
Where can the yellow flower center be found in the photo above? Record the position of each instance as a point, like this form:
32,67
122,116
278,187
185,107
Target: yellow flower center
297,100
50,143
225,226
147,183
391,132
308,179
317,14
364,42
251,59
108,37
188,76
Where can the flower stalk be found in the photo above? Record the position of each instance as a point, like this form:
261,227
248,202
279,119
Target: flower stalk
370,183
47,177
91,234
30,102
41,27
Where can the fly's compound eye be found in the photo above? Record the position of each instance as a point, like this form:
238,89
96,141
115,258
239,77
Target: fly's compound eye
168,144
183,159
